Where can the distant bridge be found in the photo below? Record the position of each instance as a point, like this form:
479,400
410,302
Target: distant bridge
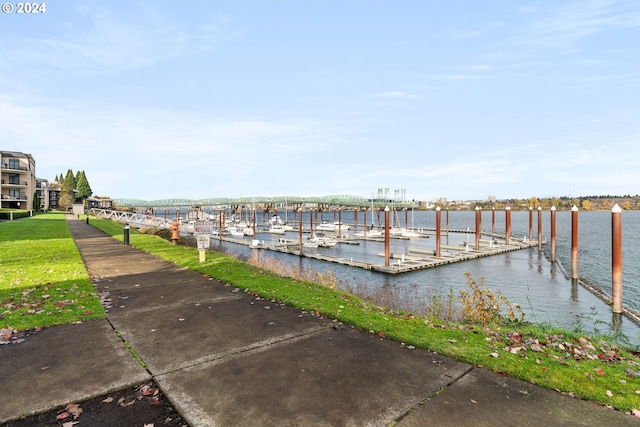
346,201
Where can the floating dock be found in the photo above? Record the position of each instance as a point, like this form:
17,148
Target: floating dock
416,259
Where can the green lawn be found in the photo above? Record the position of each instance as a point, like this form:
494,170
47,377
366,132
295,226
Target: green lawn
43,280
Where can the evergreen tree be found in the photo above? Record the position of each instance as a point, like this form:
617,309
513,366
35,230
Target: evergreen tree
84,189
67,195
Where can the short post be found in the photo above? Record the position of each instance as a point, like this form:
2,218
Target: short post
539,229
87,219
126,234
438,226
616,258
574,242
447,220
507,214
553,234
386,237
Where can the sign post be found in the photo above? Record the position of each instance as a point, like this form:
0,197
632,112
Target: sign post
202,230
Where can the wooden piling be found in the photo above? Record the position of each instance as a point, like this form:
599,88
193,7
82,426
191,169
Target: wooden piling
539,229
300,230
507,213
386,237
574,243
530,223
478,213
438,227
553,234
616,258
493,220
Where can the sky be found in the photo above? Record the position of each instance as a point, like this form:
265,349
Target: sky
233,98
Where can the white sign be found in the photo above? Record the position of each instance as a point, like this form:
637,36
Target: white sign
204,227
204,241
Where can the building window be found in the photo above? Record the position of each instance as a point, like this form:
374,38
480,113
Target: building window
14,178
14,193
14,164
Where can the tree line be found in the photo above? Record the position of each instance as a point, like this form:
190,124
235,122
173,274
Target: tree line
73,188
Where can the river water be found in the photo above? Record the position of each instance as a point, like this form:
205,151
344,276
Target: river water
525,277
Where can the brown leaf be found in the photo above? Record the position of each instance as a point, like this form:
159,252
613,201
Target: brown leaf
63,415
473,401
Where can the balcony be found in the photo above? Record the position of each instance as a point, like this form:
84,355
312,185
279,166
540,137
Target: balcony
11,198
14,183
19,169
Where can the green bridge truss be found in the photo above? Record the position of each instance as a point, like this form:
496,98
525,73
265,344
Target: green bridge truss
347,201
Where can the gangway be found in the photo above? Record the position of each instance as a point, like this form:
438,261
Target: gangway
132,218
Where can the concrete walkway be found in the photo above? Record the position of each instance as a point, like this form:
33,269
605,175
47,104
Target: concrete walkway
225,358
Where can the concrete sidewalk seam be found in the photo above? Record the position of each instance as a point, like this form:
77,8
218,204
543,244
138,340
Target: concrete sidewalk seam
254,348
159,307
434,394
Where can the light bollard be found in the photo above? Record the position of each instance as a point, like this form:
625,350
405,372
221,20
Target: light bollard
126,234
574,243
553,234
386,237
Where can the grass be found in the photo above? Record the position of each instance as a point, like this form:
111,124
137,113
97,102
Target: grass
43,281
587,367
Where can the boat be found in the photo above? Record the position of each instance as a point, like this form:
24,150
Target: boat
276,229
323,241
332,226
371,232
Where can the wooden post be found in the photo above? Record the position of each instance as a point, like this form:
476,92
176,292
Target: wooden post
438,226
386,237
493,220
553,234
478,211
530,223
616,258
300,231
364,220
447,219
574,242
539,229
507,214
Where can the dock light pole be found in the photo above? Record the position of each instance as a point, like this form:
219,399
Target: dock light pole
553,234
438,227
616,258
507,214
530,223
539,229
574,242
126,234
364,222
386,236
300,230
478,213
339,223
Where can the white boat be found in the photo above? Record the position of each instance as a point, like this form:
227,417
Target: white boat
276,229
235,231
335,226
323,241
247,231
371,232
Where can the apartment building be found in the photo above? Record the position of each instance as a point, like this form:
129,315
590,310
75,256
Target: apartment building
17,180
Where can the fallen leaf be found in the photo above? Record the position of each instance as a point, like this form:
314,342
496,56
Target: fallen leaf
473,401
635,412
108,400
70,423
494,355
74,409
63,415
148,425
599,371
609,393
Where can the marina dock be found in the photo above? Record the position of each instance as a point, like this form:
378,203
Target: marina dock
416,259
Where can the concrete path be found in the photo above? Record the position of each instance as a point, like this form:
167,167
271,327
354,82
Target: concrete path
225,358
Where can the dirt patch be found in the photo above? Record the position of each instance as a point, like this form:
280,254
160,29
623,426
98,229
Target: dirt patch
141,406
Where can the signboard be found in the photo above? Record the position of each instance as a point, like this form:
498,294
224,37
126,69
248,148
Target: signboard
204,241
203,227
